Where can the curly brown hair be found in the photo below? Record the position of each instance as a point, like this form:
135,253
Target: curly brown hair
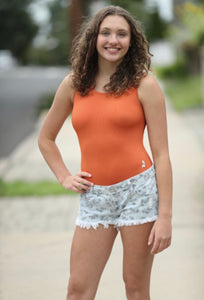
84,56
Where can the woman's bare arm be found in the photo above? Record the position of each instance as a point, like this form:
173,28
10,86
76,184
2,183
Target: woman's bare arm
59,111
153,103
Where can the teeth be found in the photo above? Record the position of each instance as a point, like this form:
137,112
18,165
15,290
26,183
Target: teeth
113,49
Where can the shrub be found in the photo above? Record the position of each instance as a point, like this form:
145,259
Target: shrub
178,69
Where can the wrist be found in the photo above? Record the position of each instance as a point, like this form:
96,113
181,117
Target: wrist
165,216
61,178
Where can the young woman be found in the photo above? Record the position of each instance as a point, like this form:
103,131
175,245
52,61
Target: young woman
112,98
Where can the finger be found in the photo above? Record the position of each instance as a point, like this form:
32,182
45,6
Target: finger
162,246
168,243
165,245
155,246
75,189
85,182
84,174
151,237
82,186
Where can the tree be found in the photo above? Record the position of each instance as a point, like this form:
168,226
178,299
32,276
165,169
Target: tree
59,23
188,34
17,29
56,46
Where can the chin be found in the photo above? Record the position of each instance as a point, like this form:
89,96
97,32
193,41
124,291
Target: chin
113,59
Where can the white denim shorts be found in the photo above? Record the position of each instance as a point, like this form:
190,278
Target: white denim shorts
130,202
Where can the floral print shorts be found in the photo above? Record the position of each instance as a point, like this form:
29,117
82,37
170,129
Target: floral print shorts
130,202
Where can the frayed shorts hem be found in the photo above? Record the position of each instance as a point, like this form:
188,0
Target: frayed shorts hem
121,223
133,201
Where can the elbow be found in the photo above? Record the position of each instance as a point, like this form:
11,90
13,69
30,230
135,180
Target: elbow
45,144
162,157
42,143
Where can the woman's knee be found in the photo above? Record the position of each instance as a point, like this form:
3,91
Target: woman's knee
136,288
76,288
80,289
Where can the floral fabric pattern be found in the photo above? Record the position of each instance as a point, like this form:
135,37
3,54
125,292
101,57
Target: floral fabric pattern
130,202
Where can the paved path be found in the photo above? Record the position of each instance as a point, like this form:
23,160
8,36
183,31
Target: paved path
36,233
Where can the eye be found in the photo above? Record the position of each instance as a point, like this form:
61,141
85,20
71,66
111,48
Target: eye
104,32
122,34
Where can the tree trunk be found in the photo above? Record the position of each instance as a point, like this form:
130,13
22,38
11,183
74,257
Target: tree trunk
76,13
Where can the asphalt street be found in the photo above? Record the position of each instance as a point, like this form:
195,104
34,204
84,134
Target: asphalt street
21,89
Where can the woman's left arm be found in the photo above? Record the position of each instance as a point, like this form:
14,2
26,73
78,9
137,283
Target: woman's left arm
152,100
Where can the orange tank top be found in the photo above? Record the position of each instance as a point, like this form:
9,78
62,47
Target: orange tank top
110,133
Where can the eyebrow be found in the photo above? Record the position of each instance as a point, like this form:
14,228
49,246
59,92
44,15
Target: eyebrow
120,29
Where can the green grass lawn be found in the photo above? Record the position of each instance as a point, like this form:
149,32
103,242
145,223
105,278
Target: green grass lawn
23,188
185,93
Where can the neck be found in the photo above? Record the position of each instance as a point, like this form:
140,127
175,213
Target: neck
105,68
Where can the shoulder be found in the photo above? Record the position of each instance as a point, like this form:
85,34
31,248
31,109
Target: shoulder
67,87
68,80
149,90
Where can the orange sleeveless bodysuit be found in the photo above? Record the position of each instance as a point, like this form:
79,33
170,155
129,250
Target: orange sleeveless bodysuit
110,133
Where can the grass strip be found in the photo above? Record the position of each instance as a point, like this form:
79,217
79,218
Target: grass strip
185,93
23,188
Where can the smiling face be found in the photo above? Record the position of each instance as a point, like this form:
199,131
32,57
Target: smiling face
113,39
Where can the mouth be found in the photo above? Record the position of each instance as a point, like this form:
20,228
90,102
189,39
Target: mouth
112,49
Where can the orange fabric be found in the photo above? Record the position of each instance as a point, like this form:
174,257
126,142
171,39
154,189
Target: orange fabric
110,132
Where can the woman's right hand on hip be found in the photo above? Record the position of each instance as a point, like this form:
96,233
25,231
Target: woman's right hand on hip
77,183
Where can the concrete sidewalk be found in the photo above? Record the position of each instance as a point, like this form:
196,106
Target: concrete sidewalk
36,233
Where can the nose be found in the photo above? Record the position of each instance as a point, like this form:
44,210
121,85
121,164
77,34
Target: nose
113,39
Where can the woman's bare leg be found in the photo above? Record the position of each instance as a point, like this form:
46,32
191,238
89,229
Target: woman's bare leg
137,261
89,253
